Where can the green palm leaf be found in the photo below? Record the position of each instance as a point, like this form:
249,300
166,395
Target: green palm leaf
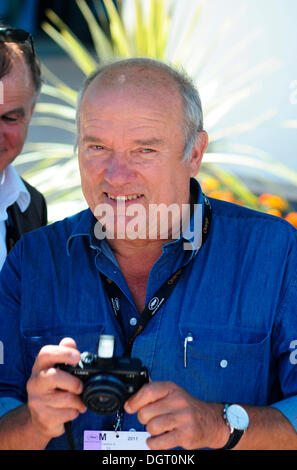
67,41
117,31
169,30
102,44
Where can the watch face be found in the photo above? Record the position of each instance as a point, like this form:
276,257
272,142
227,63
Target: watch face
237,417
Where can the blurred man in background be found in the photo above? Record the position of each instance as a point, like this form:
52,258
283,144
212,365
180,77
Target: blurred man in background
22,207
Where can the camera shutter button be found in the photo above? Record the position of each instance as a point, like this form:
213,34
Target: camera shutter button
87,357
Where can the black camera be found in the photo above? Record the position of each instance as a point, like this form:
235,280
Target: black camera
108,381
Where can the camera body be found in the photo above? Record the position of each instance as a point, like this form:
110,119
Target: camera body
108,381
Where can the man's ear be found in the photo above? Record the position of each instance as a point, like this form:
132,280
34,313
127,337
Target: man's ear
198,150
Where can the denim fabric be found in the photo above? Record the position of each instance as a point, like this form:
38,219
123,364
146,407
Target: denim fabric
237,297
8,404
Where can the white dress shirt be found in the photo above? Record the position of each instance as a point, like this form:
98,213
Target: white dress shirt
12,189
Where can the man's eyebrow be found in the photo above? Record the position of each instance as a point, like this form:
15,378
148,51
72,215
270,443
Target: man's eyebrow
91,138
148,142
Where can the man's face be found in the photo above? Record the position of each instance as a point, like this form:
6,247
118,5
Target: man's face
131,146
15,111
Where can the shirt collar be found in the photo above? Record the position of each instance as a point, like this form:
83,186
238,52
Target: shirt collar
84,228
12,189
191,236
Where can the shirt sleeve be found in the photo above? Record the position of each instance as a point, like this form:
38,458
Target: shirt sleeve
12,371
288,407
8,404
285,353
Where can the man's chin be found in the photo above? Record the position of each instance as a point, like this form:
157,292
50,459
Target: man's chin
121,230
4,160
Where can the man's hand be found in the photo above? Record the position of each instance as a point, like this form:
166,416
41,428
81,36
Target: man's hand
52,393
174,418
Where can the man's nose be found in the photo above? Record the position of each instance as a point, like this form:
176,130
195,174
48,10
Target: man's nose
119,170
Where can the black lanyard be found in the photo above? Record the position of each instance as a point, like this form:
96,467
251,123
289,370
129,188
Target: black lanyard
162,293
153,305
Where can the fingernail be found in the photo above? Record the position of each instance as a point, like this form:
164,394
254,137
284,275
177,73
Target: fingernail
127,407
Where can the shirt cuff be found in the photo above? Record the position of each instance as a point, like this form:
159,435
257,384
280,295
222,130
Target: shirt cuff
288,407
8,404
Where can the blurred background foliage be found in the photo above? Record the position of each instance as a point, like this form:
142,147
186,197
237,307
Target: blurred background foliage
167,30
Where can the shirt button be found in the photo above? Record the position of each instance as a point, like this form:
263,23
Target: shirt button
133,321
223,363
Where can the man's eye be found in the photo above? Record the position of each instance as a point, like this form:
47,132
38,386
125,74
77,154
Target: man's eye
147,150
9,118
97,147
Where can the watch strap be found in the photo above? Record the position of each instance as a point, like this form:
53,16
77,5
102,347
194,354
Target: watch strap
235,434
234,438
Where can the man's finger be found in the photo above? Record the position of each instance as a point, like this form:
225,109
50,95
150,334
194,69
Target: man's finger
166,441
68,342
59,379
162,423
65,400
149,393
163,406
51,355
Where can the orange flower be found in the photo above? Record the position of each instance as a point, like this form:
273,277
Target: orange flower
223,195
273,201
292,218
210,183
274,212
240,202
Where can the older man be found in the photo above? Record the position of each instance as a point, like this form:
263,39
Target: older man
214,324
22,207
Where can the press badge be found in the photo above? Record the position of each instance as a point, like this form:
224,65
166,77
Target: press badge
115,440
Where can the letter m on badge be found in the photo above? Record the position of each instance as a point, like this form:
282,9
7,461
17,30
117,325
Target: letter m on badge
102,437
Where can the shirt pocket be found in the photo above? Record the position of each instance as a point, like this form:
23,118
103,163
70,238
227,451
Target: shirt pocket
229,366
86,340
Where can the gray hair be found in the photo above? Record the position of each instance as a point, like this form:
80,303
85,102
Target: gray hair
193,116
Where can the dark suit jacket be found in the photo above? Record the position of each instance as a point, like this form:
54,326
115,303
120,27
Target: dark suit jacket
19,222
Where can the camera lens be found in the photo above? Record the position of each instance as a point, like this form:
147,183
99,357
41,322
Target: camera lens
104,394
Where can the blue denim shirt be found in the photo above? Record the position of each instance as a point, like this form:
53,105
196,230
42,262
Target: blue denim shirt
237,297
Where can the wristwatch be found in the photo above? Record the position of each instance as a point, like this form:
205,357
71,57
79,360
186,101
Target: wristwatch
237,420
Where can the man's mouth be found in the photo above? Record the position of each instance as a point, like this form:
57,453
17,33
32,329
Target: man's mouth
123,198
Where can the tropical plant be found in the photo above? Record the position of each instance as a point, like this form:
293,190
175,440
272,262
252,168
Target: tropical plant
169,31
